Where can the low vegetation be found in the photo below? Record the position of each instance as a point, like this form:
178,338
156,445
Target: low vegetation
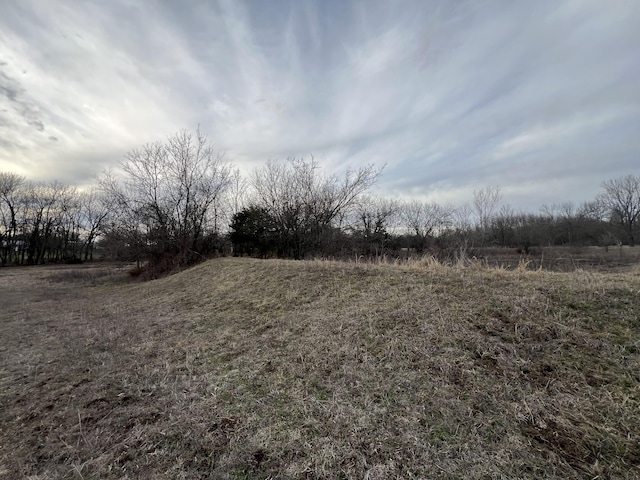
250,369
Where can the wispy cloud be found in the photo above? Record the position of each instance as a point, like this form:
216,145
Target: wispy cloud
452,96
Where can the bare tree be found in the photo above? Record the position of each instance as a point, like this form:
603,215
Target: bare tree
236,198
94,210
462,217
485,202
425,220
593,211
10,186
504,222
621,199
374,219
40,221
45,205
238,186
459,235
67,244
561,221
304,202
166,197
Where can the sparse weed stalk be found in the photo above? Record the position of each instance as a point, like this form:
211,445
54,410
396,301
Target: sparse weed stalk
523,265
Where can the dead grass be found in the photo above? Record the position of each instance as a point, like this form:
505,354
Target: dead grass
564,258
242,368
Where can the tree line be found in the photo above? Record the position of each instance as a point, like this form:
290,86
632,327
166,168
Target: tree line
48,221
173,203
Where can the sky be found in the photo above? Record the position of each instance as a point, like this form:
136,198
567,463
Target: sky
539,97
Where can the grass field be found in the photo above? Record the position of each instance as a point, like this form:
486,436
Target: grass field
249,369
563,259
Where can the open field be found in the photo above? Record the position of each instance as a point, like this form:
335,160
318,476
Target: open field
563,259
249,369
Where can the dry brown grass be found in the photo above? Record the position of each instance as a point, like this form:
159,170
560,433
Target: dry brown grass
564,258
252,369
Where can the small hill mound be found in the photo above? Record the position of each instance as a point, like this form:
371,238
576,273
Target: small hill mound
242,368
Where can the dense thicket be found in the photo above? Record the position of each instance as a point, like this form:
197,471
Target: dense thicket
173,203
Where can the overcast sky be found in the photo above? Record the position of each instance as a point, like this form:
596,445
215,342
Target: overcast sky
539,97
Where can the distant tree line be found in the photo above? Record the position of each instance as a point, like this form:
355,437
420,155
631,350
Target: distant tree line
371,226
48,221
173,203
